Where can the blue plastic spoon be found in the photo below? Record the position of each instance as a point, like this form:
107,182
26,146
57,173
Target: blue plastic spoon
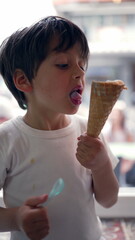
56,189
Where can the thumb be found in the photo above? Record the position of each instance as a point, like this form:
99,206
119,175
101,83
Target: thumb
34,201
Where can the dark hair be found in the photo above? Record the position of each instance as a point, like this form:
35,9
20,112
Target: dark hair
26,49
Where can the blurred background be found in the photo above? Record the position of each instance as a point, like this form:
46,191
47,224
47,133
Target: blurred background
109,26
110,29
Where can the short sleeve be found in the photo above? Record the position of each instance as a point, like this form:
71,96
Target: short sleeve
113,158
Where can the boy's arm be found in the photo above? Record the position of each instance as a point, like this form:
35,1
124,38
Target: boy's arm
92,154
105,186
29,218
8,221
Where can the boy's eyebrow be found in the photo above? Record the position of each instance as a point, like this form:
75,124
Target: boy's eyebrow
65,55
56,54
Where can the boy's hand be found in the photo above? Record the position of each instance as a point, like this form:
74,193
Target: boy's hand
32,218
91,153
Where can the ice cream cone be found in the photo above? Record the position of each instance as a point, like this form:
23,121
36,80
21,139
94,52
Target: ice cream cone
103,97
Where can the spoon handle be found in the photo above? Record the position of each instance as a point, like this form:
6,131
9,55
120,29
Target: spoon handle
56,189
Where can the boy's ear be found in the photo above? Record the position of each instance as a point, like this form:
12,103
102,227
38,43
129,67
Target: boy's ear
21,81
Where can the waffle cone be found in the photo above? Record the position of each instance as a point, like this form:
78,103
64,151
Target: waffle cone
103,97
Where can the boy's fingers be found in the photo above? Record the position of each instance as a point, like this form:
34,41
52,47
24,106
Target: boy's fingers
34,201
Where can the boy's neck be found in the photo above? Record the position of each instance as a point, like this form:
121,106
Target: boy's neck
47,123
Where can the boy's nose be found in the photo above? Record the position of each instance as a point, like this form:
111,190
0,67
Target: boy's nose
75,76
78,74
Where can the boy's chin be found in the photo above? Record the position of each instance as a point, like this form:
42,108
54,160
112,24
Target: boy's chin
74,111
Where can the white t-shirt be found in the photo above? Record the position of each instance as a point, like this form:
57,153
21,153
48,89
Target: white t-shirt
32,160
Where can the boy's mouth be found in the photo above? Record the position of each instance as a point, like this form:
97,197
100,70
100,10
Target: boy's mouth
76,95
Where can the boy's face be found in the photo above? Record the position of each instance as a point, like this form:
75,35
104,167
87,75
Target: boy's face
59,82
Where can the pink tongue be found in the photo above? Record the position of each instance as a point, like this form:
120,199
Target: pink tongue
75,97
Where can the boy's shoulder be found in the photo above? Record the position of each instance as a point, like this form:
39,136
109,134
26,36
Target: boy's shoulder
5,134
7,127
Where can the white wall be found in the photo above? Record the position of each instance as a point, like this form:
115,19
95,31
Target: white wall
15,14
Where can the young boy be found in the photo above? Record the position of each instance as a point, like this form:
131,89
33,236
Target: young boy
44,68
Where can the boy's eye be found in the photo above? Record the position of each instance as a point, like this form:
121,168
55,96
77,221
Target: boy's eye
83,68
63,66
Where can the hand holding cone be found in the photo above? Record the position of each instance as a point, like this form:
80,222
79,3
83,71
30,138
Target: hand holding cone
103,97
